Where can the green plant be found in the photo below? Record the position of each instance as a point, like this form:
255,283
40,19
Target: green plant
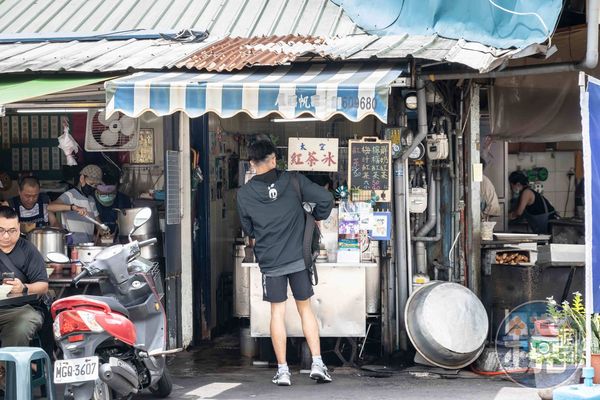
573,314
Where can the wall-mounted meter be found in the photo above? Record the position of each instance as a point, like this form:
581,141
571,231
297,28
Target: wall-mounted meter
437,146
417,153
417,200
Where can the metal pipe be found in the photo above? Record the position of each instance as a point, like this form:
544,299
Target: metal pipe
589,62
421,118
431,210
400,175
434,214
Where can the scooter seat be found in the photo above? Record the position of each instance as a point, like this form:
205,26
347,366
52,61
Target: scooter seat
112,303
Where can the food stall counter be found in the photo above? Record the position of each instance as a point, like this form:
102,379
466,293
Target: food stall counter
340,300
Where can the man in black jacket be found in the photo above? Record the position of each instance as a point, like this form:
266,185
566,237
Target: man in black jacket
271,212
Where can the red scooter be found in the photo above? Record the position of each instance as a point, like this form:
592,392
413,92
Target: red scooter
114,345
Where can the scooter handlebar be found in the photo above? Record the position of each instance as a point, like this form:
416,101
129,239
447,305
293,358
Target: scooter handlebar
147,242
80,276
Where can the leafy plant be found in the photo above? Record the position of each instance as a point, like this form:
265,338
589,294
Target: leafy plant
574,315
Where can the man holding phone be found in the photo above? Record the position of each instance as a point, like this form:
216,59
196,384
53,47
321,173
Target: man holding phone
23,268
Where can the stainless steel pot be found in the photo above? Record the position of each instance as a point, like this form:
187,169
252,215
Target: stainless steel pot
86,253
125,222
48,240
447,324
150,229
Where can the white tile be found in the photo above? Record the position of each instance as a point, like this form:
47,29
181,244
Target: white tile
544,160
550,183
560,199
562,182
565,160
551,196
522,160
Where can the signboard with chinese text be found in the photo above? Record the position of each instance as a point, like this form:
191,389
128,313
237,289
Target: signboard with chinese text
369,166
313,154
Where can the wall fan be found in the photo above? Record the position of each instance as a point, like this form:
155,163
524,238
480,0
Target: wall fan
116,133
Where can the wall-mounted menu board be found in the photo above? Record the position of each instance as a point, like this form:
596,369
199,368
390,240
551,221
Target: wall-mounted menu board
369,169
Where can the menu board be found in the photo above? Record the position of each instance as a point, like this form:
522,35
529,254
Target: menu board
370,164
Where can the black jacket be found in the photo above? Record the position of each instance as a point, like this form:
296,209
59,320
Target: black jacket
273,214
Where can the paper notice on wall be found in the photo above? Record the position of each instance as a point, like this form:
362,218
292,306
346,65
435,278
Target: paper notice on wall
14,130
16,159
35,127
35,159
24,129
5,134
55,158
44,127
45,158
25,159
54,126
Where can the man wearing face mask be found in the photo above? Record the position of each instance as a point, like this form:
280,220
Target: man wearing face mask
107,199
81,196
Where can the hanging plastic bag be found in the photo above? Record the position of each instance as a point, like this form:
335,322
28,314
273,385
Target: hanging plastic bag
68,145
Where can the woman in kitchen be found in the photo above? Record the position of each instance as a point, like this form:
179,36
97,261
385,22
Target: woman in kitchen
531,205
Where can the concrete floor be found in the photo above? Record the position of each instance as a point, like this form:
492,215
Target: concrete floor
216,371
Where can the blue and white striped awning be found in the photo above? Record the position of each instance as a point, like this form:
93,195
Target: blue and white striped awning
321,90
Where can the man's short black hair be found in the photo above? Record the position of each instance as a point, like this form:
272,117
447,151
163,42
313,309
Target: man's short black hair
260,150
8,212
29,181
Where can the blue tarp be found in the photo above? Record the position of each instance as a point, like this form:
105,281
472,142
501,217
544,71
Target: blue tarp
473,20
590,110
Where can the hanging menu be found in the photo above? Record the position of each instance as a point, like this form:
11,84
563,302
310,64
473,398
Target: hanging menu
370,163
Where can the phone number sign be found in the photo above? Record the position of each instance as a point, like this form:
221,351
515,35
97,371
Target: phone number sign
313,154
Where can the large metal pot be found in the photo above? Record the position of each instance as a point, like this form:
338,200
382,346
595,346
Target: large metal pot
150,229
49,240
87,252
447,324
125,222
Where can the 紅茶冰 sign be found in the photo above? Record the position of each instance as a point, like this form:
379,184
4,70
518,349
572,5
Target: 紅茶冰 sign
313,154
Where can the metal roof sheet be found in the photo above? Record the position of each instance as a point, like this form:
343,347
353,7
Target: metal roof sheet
237,53
221,18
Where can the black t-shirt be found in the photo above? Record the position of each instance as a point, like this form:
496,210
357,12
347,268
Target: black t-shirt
28,261
537,207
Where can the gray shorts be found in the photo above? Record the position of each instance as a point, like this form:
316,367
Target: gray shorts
275,287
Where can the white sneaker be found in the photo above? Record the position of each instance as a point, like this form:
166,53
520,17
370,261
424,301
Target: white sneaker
282,378
320,373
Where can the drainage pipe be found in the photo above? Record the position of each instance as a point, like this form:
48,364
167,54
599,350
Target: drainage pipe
434,218
590,61
400,237
421,118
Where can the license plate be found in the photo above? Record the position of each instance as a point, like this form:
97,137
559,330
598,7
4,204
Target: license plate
76,370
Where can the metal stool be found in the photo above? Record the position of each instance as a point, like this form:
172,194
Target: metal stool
22,357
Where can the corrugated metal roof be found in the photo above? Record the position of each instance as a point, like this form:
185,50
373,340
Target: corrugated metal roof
237,53
221,18
101,56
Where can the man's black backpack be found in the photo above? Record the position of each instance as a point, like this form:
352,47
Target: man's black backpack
311,244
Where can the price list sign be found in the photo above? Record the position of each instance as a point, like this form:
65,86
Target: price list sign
369,167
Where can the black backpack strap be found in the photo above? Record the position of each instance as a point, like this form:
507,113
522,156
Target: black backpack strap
309,229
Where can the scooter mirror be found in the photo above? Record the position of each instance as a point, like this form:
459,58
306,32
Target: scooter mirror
141,217
57,258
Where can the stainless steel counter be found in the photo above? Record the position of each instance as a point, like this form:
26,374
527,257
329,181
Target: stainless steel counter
345,294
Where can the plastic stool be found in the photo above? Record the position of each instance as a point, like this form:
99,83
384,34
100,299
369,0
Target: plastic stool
23,357
587,391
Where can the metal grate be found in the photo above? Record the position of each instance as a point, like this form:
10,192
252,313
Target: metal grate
173,184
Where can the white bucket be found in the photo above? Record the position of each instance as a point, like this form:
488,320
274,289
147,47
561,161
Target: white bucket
487,230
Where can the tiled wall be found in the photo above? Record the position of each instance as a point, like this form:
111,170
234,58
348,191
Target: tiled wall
556,187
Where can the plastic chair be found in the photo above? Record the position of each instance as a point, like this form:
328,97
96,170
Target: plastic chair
20,371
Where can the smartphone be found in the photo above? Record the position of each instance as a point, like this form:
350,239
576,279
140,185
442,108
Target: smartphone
8,276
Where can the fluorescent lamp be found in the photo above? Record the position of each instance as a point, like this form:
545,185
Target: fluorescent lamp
310,119
51,110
